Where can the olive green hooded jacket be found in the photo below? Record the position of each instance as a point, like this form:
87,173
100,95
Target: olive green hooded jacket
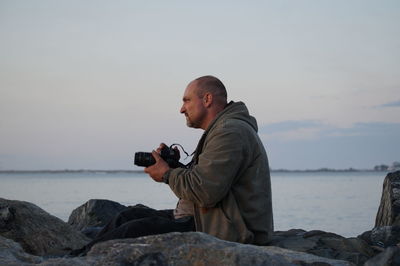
229,181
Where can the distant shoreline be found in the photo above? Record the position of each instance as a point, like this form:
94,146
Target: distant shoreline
68,171
141,171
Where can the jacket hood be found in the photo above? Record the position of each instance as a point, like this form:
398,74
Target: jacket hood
236,110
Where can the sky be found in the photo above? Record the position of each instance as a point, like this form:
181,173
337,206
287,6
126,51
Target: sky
86,84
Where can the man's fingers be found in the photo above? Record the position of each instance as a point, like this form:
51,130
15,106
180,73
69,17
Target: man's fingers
157,170
156,156
162,146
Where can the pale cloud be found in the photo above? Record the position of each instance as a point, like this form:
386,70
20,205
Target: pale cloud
292,130
362,146
297,134
314,130
389,104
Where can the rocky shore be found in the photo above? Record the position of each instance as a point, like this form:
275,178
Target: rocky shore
31,236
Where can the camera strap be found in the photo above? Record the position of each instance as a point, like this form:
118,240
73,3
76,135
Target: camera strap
176,144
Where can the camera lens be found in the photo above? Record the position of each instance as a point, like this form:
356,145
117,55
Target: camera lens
144,159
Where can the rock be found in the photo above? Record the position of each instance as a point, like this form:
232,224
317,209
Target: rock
196,248
6,214
389,208
11,253
366,236
91,231
38,232
324,244
383,236
389,257
94,213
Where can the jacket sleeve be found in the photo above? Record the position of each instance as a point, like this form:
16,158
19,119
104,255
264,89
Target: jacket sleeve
208,181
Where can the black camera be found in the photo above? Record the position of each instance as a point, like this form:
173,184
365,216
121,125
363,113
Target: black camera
169,154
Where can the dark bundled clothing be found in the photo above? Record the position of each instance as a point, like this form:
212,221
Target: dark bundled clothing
140,221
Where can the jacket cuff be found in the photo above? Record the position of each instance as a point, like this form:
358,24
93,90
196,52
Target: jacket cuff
165,177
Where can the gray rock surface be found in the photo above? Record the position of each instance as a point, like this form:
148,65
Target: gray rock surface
325,244
389,208
197,248
383,236
173,249
389,257
11,253
94,213
38,232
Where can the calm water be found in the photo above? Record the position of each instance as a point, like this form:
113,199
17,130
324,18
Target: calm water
344,203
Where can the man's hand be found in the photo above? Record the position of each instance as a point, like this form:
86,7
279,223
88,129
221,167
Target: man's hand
157,170
162,146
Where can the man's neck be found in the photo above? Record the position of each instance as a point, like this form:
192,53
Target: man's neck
212,115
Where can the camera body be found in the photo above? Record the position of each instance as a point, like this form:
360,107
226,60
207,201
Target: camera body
170,155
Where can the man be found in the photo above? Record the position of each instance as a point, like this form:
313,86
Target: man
228,184
226,188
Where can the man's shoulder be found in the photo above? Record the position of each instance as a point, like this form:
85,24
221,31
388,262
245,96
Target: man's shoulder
236,124
235,128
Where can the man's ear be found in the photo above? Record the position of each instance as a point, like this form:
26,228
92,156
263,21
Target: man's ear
207,99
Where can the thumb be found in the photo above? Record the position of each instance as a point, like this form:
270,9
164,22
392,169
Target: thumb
156,156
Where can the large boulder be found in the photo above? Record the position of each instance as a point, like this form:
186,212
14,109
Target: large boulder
38,232
389,208
196,248
94,213
324,244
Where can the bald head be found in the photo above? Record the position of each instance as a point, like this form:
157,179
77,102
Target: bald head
203,99
211,84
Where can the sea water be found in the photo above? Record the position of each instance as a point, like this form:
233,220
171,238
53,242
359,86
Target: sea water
345,203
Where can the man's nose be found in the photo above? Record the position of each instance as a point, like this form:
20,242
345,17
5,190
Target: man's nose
182,109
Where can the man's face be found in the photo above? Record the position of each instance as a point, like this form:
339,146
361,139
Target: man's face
193,107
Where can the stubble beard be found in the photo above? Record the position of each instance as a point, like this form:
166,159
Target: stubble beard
190,123
195,120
